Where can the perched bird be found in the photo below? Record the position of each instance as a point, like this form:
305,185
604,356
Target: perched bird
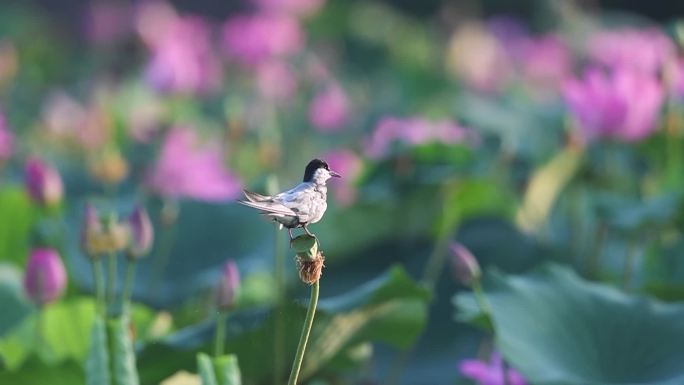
300,206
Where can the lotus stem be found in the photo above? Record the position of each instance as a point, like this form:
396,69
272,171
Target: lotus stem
306,331
220,336
128,285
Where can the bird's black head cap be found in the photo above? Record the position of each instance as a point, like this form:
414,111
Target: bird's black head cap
312,167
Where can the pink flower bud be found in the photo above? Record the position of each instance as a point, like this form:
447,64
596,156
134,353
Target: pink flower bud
228,286
43,182
141,233
45,278
465,266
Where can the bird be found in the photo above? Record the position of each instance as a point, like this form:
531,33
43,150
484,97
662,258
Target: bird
299,206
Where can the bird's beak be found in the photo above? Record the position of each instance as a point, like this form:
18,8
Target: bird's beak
334,174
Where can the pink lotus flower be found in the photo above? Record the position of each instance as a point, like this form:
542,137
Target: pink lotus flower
645,50
228,286
6,140
416,131
349,165
276,81
329,110
45,278
43,182
183,60
622,105
294,7
188,169
490,373
254,39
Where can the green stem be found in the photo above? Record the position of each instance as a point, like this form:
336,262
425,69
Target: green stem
98,278
306,330
279,338
111,279
128,285
161,258
480,298
39,328
435,263
438,257
433,269
595,256
629,265
220,336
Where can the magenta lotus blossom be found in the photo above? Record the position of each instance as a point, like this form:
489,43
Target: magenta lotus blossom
43,182
490,373
226,292
623,104
187,168
294,7
183,59
416,131
349,165
254,39
465,266
329,109
6,139
108,21
45,278
644,50
276,81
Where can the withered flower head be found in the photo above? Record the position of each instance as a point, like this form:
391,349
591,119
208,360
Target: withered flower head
309,258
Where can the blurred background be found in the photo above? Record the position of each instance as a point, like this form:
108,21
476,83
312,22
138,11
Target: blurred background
539,142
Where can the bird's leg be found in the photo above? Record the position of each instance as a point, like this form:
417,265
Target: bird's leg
306,229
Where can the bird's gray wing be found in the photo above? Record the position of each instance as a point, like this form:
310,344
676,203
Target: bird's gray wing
298,199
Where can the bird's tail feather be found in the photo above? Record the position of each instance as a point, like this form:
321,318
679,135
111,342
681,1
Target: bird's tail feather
254,197
270,208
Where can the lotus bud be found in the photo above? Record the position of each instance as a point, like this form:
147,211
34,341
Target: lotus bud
227,289
91,231
43,182
45,278
116,233
466,268
102,237
141,233
109,167
309,258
